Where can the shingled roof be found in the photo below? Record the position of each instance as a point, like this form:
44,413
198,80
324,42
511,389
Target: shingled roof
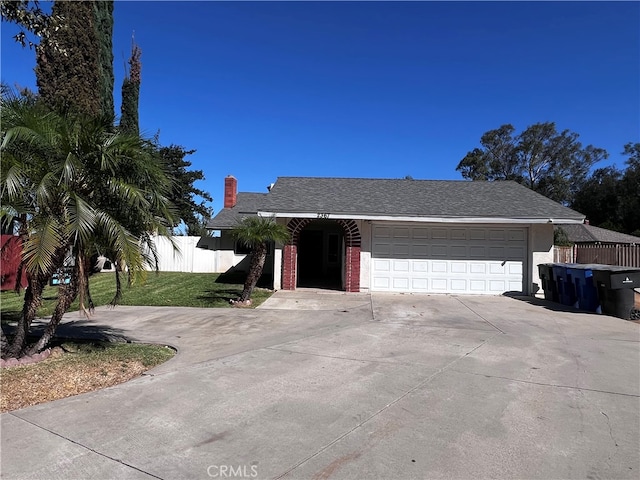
583,233
246,204
361,197
394,198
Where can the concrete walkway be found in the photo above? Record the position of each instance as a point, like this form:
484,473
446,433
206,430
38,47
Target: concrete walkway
320,385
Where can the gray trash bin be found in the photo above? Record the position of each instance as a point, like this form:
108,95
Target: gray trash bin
616,289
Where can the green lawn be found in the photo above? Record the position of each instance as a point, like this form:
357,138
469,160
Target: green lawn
159,289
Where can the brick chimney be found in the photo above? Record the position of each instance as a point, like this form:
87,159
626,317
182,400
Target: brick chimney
230,191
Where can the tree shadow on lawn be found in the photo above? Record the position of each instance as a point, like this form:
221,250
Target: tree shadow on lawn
81,331
238,277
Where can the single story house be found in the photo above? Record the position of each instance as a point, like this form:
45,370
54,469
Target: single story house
585,234
392,235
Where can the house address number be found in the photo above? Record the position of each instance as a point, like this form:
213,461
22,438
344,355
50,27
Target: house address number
323,215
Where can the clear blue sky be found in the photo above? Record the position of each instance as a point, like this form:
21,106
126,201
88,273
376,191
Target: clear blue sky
368,89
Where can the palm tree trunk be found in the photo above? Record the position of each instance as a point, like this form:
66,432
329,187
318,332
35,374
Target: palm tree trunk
255,271
32,300
66,295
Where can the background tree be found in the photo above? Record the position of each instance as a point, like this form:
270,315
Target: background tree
29,16
75,59
256,233
599,199
76,185
610,198
103,11
630,190
191,211
549,162
131,92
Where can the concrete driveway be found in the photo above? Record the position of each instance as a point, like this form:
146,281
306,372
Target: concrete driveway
319,385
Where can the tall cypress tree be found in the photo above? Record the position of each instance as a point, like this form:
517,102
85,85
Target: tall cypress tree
75,60
104,32
131,93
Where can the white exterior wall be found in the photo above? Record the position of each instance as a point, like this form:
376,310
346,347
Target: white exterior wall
365,255
540,251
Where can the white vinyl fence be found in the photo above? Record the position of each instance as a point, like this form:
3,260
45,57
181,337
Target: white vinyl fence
189,257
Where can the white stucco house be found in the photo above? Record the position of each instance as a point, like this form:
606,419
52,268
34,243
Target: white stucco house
426,236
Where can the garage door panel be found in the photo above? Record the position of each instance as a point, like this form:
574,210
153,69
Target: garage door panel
382,232
420,233
477,285
439,284
401,266
439,267
401,283
496,268
382,249
458,234
448,259
439,250
400,250
419,251
476,234
458,251
381,265
439,234
381,283
514,268
400,233
459,267
420,266
420,284
480,268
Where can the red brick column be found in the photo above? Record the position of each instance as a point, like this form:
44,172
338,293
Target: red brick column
289,257
352,269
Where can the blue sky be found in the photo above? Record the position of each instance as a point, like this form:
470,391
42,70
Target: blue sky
368,89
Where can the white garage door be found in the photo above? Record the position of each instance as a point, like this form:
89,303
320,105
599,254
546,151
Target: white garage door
448,259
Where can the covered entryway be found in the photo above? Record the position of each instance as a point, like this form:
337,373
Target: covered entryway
448,259
322,254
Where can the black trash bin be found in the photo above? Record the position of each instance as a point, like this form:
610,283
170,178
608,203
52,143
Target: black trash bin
616,289
548,282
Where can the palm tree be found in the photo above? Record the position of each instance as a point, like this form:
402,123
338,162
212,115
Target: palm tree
256,233
74,184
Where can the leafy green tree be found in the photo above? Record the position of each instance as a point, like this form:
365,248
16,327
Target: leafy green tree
549,162
560,237
610,198
256,233
75,185
599,198
29,16
191,211
630,190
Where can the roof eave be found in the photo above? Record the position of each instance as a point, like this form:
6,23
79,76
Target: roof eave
414,218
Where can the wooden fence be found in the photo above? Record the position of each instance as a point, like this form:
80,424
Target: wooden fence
563,254
623,255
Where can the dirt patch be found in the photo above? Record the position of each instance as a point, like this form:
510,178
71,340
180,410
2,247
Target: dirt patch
64,374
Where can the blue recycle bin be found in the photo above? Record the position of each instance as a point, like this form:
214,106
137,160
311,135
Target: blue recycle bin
585,289
564,285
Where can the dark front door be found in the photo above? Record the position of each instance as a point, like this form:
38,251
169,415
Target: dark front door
319,257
